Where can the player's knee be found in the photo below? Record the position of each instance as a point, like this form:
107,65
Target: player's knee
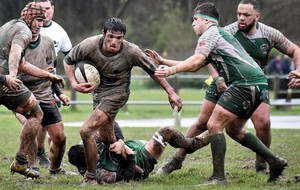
263,126
59,138
261,122
83,133
166,133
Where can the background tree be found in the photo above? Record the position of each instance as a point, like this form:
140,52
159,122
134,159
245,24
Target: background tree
163,25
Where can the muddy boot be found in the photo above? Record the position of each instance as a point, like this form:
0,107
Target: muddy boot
174,163
20,165
261,167
276,169
43,158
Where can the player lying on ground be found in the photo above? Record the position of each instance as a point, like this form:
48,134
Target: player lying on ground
133,159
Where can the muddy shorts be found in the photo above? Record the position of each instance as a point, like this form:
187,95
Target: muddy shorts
111,104
12,100
243,100
51,113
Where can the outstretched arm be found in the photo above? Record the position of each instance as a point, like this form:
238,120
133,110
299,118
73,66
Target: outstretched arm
159,59
293,51
32,70
191,64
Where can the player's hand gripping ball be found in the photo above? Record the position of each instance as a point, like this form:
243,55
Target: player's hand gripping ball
85,72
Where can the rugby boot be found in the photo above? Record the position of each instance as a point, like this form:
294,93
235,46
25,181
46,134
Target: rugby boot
24,169
36,168
261,167
174,163
43,159
276,169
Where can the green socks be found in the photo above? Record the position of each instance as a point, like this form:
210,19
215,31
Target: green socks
252,142
218,149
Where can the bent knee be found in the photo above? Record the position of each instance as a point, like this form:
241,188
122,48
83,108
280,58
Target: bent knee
262,124
163,131
85,133
59,139
166,128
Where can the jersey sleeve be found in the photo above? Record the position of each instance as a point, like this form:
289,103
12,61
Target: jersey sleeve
22,37
279,41
207,42
232,28
79,52
66,43
138,58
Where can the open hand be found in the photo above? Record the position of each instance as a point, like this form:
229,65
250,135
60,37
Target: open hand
154,56
12,83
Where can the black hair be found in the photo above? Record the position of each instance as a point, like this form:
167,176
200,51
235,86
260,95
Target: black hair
76,156
208,9
254,3
114,24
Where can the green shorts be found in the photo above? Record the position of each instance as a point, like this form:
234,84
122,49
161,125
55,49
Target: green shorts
12,100
143,158
243,100
212,94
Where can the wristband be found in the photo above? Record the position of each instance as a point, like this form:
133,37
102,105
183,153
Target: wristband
219,79
173,70
2,79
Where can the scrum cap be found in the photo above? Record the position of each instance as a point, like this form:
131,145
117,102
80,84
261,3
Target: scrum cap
31,11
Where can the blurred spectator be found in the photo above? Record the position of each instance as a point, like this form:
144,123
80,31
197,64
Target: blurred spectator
280,65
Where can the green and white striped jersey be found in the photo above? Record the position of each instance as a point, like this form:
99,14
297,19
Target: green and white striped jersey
229,58
259,44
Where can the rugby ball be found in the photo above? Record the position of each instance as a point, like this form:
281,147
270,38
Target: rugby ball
85,72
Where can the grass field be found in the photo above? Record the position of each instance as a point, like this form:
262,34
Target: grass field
197,167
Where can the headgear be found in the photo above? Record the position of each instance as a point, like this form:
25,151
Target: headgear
31,11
